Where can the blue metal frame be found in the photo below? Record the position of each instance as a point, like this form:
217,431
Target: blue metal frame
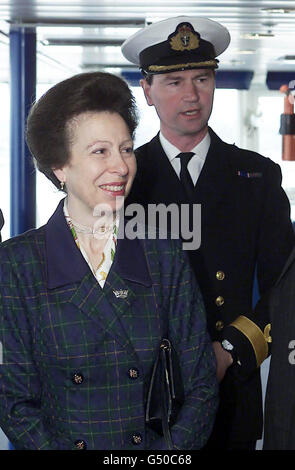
23,93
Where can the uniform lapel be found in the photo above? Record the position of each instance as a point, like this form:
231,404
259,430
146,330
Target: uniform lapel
66,265
164,181
214,179
290,261
216,175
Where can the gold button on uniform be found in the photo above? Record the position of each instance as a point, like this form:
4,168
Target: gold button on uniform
219,325
220,275
219,301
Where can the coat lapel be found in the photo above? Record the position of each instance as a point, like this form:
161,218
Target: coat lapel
66,265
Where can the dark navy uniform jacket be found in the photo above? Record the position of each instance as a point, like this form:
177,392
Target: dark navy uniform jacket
245,228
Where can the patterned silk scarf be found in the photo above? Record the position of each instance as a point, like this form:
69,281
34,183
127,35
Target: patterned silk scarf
108,255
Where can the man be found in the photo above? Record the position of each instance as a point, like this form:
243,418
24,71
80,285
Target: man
1,223
245,221
279,430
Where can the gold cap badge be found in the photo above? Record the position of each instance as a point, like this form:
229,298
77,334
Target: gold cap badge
184,38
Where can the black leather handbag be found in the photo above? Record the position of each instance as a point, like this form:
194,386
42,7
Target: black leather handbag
165,392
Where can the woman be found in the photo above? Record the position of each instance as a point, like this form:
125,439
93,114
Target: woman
82,310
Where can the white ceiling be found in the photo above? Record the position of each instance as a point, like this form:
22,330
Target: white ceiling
99,23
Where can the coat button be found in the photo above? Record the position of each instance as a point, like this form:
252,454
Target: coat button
77,378
220,275
80,444
219,325
219,301
133,373
136,439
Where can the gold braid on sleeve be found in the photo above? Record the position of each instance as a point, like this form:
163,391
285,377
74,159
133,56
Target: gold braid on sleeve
254,334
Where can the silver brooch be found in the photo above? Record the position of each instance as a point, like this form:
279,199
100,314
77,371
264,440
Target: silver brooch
121,293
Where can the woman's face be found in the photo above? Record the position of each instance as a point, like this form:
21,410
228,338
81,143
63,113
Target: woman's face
102,164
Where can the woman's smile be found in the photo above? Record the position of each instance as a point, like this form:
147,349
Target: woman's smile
117,189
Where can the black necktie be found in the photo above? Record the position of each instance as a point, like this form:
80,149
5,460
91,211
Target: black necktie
185,176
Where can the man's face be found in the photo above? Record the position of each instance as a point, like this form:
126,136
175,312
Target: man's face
183,101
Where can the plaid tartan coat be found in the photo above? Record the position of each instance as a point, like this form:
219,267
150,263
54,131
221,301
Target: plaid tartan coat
75,358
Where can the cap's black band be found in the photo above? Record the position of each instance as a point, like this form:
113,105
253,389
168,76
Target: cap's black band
163,55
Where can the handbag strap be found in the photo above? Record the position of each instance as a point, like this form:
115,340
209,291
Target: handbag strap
165,389
166,395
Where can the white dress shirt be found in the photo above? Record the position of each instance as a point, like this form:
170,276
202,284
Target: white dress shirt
195,164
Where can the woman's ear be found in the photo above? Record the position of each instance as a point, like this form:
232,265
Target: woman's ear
60,174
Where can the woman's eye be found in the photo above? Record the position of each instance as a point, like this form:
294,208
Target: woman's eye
127,150
98,151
